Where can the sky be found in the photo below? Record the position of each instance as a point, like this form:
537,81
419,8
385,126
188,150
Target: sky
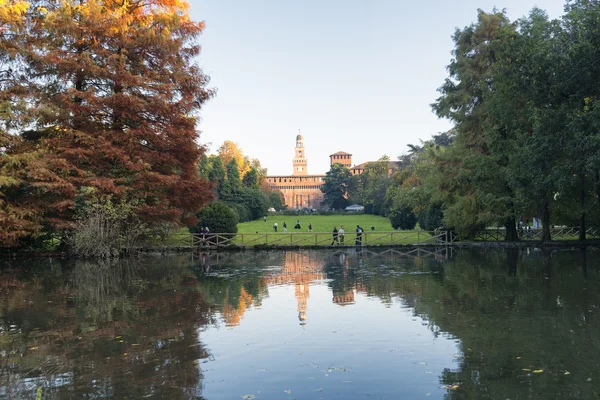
351,75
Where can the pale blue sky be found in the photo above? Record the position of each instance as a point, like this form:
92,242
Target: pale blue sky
356,76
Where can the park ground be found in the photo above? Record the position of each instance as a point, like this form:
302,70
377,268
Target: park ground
320,223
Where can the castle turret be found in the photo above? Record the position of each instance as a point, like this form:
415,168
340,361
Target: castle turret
341,157
299,161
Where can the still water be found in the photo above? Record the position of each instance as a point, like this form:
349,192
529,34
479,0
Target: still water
312,324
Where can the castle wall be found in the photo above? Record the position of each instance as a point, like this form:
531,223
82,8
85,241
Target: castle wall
299,191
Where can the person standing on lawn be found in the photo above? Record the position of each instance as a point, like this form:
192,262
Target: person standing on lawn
359,231
341,234
335,236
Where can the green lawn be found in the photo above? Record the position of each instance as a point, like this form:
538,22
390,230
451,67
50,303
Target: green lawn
320,223
260,232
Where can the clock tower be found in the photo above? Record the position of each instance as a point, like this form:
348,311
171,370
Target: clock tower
300,157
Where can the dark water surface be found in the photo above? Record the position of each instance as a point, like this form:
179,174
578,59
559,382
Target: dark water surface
467,324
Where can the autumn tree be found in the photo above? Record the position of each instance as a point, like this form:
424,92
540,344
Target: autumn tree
113,93
231,151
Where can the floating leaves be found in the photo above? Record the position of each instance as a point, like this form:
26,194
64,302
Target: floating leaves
248,397
451,387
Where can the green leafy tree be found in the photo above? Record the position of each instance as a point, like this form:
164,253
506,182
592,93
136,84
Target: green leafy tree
337,184
276,200
218,217
371,186
250,180
216,174
462,174
256,202
403,218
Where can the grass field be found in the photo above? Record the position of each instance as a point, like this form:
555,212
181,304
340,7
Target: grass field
320,223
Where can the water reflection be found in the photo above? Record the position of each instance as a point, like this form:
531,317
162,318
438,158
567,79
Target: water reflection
307,324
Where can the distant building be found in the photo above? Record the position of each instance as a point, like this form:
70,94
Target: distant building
302,190
393,166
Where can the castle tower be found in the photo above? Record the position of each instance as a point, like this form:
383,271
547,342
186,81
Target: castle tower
341,157
300,157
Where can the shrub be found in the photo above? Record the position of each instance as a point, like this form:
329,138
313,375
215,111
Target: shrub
218,217
403,218
243,213
431,218
106,229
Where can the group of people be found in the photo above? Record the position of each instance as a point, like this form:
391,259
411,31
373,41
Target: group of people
297,226
526,227
338,235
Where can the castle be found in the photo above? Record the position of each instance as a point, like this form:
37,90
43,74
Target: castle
302,190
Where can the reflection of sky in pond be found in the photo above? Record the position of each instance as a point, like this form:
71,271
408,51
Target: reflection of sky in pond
363,350
385,324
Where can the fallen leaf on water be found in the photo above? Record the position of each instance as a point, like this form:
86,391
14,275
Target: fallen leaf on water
33,348
518,358
455,356
248,396
450,387
567,373
588,379
124,354
538,371
118,337
526,369
120,341
135,344
288,391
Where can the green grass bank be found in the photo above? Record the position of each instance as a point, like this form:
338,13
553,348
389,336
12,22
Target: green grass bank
320,223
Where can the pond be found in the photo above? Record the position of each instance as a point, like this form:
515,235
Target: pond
306,324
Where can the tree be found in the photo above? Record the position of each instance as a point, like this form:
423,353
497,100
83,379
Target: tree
218,217
232,187
231,151
336,186
256,202
276,200
216,174
403,218
470,199
251,178
112,94
371,186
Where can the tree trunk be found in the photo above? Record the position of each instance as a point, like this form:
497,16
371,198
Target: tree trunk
546,236
582,204
583,252
511,230
512,256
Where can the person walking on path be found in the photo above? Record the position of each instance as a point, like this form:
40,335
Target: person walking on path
284,227
335,236
359,231
341,234
275,227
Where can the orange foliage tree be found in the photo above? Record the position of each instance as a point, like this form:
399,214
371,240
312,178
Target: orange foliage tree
112,95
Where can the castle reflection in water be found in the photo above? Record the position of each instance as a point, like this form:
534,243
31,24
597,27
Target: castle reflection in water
303,268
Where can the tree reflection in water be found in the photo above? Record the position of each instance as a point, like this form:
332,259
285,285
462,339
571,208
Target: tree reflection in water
102,329
131,328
